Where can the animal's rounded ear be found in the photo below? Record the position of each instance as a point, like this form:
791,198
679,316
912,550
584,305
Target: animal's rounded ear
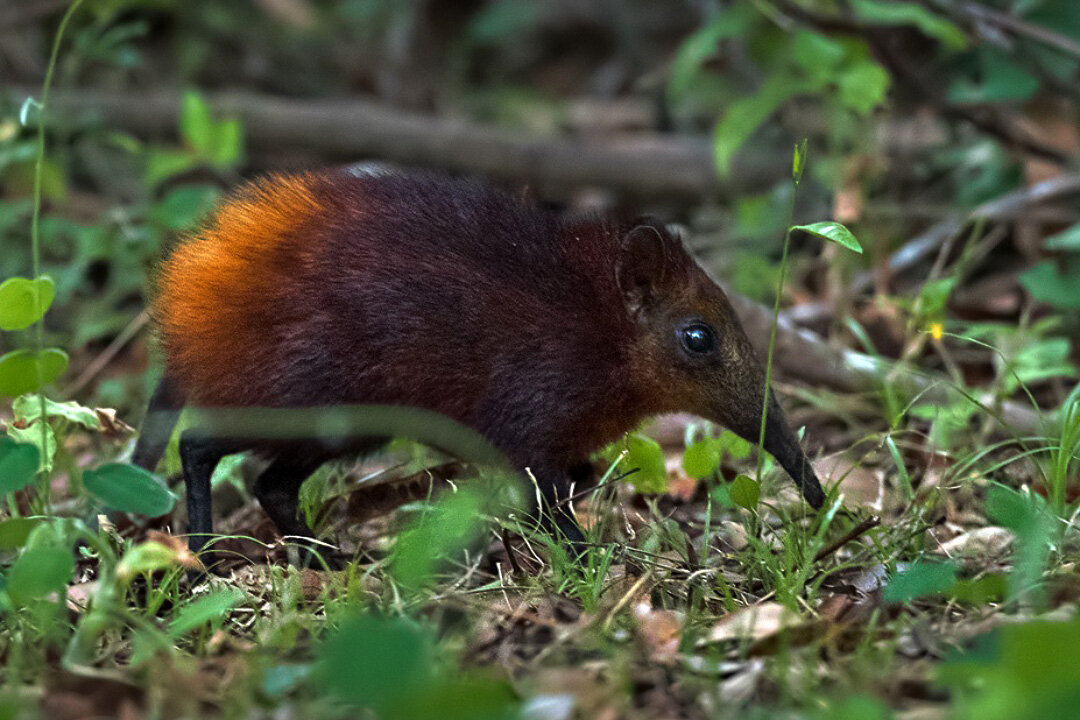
641,265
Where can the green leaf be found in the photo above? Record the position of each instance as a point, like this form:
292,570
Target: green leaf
280,680
164,164
1053,285
18,465
731,21
206,609
39,571
183,207
496,22
128,488
196,124
19,301
890,12
15,531
920,580
979,591
863,86
146,557
32,435
934,296
19,370
28,408
1002,80
395,663
459,698
646,455
735,446
228,144
744,492
833,231
746,115
1068,239
816,55
1033,524
451,525
702,458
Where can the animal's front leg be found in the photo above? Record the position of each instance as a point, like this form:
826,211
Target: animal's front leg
552,506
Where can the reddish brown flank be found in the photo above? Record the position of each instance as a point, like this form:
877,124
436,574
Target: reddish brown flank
218,283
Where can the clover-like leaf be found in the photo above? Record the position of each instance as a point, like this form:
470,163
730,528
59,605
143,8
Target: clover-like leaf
23,301
834,232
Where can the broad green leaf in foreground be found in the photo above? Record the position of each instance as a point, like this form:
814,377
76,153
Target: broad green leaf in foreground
832,231
128,488
28,408
19,370
15,531
920,580
450,526
206,609
702,457
646,456
1068,239
19,299
18,465
1054,283
40,570
745,492
375,662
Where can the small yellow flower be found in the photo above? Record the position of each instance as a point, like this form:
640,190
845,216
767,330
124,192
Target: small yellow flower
936,330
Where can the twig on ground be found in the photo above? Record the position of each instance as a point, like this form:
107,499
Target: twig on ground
101,361
856,532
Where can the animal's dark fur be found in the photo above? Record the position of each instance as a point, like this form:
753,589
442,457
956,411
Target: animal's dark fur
550,337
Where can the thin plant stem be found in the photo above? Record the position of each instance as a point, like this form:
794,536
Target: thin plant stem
772,332
35,237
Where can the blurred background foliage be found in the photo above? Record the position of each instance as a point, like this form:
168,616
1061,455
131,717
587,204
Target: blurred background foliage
945,133
913,111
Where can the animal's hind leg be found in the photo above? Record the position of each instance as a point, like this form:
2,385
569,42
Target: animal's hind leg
278,489
199,455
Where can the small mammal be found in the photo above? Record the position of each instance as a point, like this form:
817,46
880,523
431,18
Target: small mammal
549,335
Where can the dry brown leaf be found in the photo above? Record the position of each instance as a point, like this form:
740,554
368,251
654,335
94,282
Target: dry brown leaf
112,427
593,695
862,486
179,548
753,623
732,535
985,543
660,630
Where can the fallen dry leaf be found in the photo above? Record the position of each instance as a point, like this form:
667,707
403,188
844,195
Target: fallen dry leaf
660,630
982,543
861,485
112,427
754,623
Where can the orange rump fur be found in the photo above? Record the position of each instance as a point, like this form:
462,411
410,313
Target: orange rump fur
216,303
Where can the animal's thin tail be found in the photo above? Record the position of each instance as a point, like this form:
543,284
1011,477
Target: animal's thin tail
161,417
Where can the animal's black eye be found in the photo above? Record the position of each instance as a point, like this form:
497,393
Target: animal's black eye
698,338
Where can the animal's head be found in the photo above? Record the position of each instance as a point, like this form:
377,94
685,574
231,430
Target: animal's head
691,350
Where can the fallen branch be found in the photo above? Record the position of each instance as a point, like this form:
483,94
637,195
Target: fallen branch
638,164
